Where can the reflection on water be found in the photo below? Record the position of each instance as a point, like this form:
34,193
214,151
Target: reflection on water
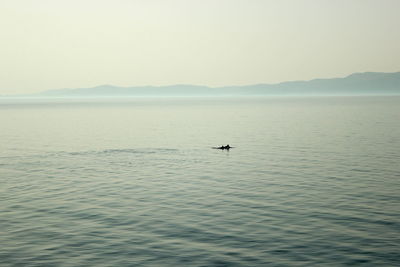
311,181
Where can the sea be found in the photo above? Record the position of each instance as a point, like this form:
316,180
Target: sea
310,181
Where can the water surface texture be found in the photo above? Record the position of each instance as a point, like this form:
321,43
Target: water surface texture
310,182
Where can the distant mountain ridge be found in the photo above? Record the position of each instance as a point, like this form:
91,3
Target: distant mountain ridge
367,83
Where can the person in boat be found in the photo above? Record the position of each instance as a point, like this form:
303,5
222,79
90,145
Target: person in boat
227,146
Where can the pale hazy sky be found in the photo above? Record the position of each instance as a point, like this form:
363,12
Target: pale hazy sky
50,44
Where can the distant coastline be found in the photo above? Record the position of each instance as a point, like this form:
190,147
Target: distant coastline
367,83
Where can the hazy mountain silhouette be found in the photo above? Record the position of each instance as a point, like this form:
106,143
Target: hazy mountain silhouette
368,83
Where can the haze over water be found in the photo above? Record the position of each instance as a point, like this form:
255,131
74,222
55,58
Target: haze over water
312,181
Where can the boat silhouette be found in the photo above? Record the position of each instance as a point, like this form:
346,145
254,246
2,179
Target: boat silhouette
227,147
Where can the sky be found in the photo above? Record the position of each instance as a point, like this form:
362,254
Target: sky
52,44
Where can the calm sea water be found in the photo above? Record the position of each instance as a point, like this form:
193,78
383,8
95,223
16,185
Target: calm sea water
310,182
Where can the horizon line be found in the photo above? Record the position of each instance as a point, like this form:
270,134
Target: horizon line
199,85
222,86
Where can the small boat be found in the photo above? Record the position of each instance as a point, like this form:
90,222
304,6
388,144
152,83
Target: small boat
227,147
